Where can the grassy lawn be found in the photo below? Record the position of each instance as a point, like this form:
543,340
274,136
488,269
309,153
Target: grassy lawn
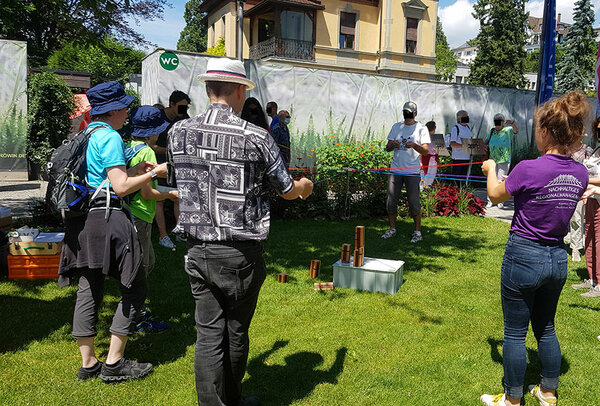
437,341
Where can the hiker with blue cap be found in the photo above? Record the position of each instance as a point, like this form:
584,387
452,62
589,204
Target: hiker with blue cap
103,241
148,123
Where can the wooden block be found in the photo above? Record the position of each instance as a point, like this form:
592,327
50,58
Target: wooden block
282,277
323,286
359,236
315,264
355,259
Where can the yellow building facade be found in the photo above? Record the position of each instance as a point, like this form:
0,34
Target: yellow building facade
392,37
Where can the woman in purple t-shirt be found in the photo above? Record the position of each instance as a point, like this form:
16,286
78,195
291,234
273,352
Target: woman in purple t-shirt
534,269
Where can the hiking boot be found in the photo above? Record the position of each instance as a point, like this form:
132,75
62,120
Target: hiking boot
124,370
87,373
493,400
389,233
151,326
575,256
166,242
416,237
593,292
537,393
586,284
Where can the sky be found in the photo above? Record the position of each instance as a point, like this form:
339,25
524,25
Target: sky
457,21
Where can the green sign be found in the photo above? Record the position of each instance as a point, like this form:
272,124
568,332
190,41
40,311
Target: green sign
169,61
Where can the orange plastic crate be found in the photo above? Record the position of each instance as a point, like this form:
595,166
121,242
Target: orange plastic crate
33,266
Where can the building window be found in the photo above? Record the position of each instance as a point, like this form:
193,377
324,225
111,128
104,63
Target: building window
296,25
223,26
468,53
347,30
459,79
412,25
266,29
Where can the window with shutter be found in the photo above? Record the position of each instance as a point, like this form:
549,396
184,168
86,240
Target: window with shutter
347,29
412,25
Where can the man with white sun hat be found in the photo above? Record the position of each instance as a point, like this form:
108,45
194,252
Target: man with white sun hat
224,167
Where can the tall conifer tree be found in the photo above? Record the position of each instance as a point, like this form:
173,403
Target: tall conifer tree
445,63
193,36
575,70
501,56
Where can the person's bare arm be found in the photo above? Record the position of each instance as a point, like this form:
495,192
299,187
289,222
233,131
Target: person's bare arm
149,193
454,144
496,189
302,189
392,145
594,181
123,184
421,149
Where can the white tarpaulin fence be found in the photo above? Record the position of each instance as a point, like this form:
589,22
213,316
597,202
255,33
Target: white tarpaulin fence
348,105
13,106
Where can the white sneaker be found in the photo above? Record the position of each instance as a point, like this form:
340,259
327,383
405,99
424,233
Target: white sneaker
535,391
500,205
416,237
493,400
489,205
593,292
576,256
389,233
166,242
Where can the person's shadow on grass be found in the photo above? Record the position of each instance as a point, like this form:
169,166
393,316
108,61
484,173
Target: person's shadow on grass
283,384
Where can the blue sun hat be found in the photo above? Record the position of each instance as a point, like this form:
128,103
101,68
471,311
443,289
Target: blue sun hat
107,97
148,121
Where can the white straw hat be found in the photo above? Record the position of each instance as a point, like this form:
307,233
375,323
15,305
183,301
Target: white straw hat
226,70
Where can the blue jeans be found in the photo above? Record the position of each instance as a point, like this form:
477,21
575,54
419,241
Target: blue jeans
533,275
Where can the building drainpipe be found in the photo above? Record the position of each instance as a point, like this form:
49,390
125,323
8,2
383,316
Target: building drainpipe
240,33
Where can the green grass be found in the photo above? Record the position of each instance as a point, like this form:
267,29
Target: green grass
437,341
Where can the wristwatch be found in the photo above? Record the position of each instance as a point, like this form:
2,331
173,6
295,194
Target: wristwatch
153,173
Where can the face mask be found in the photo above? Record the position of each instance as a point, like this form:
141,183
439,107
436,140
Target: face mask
286,121
497,123
269,110
465,120
408,115
182,109
254,112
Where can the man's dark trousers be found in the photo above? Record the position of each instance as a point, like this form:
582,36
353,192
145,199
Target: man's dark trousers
226,278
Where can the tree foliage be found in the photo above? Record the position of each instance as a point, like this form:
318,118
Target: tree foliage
49,106
533,59
108,60
575,71
193,36
47,24
218,49
445,62
500,59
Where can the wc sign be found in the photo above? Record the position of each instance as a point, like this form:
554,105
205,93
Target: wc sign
168,60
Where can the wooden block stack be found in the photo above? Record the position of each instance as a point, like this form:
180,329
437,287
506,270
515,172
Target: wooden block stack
359,246
323,286
282,277
315,268
346,248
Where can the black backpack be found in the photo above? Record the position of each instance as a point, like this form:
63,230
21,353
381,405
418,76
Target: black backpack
68,193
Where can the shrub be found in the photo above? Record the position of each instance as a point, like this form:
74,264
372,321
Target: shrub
218,49
447,200
50,105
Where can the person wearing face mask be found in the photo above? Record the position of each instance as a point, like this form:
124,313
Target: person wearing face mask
499,141
409,140
272,112
253,113
178,110
281,135
460,158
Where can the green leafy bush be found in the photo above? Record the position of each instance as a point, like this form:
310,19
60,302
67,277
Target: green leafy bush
50,104
218,49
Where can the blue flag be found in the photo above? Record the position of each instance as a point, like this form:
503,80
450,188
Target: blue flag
546,73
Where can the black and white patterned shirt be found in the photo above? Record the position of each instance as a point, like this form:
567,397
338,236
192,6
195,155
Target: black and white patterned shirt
224,167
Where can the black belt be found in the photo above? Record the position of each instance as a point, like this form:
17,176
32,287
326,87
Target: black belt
100,203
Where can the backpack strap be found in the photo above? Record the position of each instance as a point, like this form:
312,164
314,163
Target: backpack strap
131,152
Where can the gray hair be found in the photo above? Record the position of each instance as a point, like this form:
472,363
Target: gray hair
461,113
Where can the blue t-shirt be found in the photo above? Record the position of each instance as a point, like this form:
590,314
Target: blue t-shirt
274,121
105,150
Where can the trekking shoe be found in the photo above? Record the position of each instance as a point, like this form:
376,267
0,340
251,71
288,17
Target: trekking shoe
150,326
537,393
500,205
389,233
166,242
87,373
593,292
575,256
493,400
416,236
489,205
124,370
586,284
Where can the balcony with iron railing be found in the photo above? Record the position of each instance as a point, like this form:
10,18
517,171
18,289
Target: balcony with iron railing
283,48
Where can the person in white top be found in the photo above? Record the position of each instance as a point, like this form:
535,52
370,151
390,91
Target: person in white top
409,140
459,157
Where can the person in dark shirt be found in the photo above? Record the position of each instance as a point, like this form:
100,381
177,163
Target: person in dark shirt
253,113
272,112
281,135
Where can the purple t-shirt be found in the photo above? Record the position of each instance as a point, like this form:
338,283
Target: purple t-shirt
546,191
